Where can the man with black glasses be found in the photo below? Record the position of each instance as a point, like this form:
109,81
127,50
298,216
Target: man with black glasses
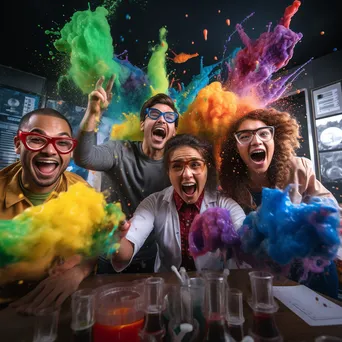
132,170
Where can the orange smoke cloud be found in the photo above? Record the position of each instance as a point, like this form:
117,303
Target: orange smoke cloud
212,112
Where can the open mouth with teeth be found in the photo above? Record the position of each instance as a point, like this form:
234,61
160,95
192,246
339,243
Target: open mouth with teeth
159,133
189,189
258,156
46,167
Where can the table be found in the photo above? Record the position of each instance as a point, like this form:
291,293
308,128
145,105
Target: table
16,328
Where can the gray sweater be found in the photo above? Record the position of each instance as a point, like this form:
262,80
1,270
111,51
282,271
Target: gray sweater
128,175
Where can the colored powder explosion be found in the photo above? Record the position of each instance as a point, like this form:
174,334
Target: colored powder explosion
156,66
88,42
285,231
246,78
211,230
76,222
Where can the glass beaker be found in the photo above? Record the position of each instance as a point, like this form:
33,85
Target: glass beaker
119,313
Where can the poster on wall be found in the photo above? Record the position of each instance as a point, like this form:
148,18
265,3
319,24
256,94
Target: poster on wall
327,100
13,105
73,113
331,166
329,133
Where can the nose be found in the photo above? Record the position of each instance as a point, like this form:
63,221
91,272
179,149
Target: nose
49,149
187,172
256,140
161,119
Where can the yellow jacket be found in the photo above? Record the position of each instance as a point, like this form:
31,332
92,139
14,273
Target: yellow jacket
12,200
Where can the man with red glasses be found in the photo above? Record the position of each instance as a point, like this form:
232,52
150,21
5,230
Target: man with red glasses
132,170
44,143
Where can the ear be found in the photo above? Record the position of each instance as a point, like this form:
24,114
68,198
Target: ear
17,146
142,124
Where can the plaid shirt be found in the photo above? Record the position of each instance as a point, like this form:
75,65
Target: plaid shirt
187,213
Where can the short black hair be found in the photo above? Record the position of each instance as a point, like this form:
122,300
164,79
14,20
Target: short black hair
159,98
202,146
43,111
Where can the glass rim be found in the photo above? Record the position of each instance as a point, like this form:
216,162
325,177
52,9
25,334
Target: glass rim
235,291
83,293
258,275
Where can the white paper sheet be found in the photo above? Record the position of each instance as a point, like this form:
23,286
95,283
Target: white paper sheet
309,305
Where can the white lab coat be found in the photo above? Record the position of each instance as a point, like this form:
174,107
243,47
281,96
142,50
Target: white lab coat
158,212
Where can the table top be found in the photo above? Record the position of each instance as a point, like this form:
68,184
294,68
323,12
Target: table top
17,328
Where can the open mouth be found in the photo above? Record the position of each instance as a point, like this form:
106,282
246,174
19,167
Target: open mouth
46,167
159,133
258,156
189,188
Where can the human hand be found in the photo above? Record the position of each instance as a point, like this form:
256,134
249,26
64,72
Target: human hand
51,291
99,99
66,265
123,228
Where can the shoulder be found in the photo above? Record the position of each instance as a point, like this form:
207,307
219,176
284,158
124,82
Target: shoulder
301,164
73,178
9,171
225,201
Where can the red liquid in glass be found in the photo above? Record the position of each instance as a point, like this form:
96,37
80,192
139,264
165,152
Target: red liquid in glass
217,331
119,333
264,325
84,335
236,331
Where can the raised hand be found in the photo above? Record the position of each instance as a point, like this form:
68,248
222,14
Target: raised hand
100,98
98,101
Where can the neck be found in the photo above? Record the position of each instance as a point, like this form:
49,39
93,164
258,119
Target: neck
151,152
36,189
258,180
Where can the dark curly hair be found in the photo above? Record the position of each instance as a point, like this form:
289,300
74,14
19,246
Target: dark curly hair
203,147
233,171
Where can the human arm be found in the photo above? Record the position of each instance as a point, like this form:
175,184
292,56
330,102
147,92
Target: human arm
132,239
311,186
87,154
236,212
55,288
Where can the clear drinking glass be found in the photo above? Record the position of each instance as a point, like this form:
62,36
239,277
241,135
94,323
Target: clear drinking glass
46,325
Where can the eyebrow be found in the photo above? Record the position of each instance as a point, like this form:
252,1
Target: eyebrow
251,130
40,131
186,159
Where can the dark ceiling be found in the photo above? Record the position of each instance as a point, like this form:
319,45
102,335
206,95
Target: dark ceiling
25,46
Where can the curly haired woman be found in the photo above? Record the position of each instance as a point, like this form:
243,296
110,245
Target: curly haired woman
260,152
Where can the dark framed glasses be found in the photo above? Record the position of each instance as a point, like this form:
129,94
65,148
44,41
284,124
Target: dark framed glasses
36,142
245,136
154,114
196,166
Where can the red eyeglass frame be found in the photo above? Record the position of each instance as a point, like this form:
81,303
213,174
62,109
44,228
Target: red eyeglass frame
50,140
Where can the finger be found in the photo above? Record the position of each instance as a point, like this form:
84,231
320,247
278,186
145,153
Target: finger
96,95
110,84
64,295
99,82
39,299
48,300
29,297
103,93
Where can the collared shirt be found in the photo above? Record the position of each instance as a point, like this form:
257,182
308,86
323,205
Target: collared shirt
12,200
158,213
187,213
